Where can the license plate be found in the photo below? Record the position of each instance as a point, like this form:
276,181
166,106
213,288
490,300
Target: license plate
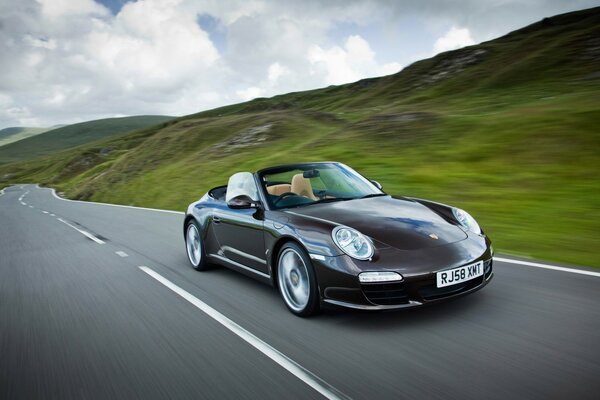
458,275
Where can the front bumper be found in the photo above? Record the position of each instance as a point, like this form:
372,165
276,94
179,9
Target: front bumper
414,291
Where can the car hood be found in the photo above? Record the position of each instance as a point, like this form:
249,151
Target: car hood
401,223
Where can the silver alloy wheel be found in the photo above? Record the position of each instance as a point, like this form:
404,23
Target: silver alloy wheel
192,243
293,279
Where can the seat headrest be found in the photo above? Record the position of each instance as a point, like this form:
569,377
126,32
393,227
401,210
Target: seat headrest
241,183
302,186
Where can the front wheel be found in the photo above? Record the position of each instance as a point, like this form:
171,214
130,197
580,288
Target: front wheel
297,280
194,247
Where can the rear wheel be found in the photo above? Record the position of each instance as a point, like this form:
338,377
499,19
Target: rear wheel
297,280
194,247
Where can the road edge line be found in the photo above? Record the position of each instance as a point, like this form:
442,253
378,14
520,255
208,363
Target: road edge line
548,266
284,361
111,205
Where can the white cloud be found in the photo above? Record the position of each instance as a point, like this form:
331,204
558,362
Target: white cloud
276,71
62,8
454,39
152,57
73,60
249,93
152,44
353,61
49,44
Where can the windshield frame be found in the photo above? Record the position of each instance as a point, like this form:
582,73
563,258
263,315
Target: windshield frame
260,175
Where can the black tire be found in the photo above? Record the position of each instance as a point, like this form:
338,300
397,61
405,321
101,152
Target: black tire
195,251
298,286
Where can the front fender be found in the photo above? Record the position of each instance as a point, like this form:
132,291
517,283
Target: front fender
312,233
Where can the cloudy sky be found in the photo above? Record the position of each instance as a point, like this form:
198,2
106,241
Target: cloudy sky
65,61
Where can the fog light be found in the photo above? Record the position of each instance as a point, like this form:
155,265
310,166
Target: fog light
379,276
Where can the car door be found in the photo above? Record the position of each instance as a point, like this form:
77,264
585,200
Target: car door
240,232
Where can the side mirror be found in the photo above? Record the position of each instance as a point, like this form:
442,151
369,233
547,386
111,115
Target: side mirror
242,201
377,184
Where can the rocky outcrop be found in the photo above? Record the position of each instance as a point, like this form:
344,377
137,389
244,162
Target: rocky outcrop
244,139
452,65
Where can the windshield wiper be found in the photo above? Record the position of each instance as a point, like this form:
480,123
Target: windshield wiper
332,200
373,195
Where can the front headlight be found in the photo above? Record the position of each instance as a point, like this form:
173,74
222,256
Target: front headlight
352,242
466,221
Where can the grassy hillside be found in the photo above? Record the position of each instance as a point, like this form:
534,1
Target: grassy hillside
507,129
14,134
74,135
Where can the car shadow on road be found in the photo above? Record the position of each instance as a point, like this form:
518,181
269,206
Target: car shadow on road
461,307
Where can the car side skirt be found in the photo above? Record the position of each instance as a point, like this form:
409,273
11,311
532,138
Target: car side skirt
251,272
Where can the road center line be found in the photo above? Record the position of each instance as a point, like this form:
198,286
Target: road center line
23,196
284,361
45,212
546,266
121,253
84,233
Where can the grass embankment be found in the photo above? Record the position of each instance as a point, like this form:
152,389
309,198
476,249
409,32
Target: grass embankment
507,130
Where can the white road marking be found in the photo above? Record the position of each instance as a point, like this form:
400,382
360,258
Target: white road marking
121,253
52,215
284,361
45,212
114,205
547,266
23,196
84,233
23,204
30,206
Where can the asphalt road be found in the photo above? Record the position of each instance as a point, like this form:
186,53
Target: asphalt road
79,320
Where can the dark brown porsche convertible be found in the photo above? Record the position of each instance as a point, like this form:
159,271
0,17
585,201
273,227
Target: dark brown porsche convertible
322,233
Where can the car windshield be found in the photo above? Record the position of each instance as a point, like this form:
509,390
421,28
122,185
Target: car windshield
306,184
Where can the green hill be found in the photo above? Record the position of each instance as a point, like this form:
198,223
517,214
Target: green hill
507,129
73,135
14,134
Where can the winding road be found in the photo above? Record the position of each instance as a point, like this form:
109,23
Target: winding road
99,301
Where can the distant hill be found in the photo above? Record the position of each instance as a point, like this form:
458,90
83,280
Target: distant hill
14,134
70,136
507,129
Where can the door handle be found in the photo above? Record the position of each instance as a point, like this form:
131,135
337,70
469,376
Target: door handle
216,219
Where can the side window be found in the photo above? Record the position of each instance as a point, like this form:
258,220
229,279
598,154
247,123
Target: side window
242,183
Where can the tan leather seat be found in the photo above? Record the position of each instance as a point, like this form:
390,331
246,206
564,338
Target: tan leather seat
302,187
278,190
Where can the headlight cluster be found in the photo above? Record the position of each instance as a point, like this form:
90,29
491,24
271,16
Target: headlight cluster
353,243
466,221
